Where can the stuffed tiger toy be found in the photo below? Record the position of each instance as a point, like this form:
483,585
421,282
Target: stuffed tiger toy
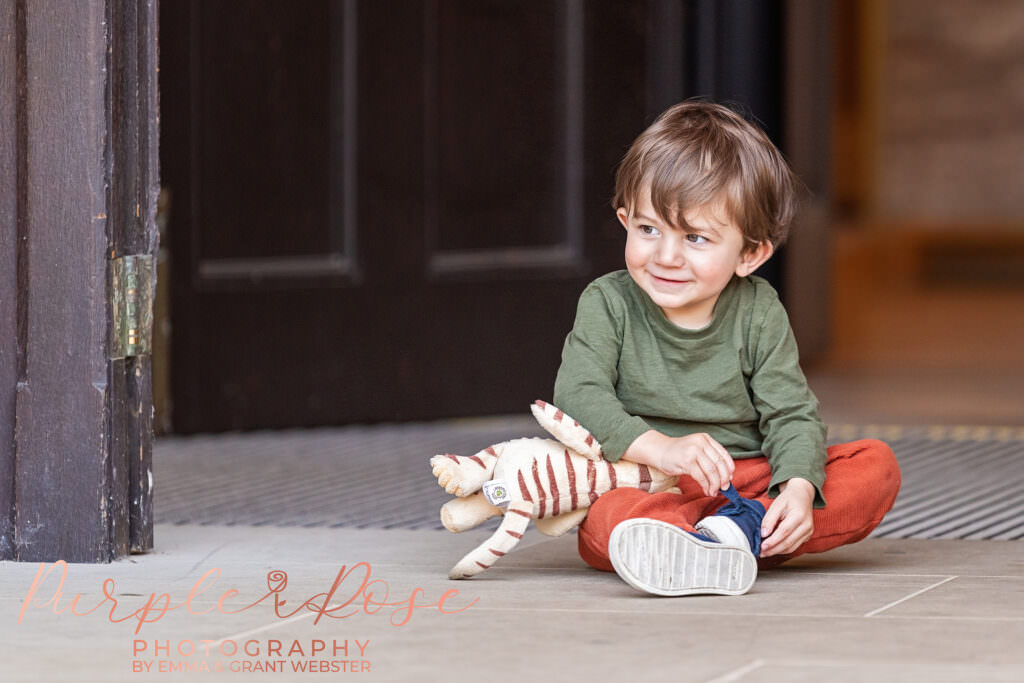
551,482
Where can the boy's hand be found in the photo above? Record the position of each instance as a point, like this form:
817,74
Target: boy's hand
788,523
696,455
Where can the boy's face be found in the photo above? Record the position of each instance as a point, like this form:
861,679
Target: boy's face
684,270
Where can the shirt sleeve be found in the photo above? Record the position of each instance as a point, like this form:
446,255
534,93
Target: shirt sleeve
585,384
793,433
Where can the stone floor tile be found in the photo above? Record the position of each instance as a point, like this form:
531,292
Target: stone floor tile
542,613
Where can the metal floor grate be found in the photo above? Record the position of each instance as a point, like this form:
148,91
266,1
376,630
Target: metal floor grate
359,476
958,482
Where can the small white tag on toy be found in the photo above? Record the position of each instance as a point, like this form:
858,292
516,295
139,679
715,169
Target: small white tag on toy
496,492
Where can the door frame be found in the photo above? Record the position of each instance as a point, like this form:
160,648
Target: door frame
808,143
78,184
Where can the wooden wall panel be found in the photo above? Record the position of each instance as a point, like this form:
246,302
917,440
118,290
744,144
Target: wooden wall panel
62,448
10,81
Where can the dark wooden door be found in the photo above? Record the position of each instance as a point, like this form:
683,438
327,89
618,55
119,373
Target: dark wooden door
387,210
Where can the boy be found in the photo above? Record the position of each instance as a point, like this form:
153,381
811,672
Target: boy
686,362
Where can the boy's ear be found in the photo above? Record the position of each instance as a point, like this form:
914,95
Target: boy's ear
623,216
751,259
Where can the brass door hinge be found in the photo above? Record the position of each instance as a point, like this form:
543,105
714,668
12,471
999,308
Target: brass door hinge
132,306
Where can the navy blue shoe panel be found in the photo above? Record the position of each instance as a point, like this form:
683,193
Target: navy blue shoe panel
746,513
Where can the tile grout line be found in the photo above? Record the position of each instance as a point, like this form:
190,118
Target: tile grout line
718,613
737,674
908,597
898,576
272,625
754,665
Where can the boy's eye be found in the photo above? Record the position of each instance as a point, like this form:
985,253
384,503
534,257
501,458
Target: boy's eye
649,230
696,239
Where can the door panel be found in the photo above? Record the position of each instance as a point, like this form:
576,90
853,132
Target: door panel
387,210
483,139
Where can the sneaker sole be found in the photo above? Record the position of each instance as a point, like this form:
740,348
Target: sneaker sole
659,558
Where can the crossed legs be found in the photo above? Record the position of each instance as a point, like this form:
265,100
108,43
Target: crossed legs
861,483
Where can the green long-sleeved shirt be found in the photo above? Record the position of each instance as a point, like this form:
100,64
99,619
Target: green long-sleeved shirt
627,369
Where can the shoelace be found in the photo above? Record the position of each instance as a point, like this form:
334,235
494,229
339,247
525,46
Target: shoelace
747,514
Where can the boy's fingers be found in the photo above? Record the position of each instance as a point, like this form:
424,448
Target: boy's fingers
719,465
718,461
711,473
776,543
698,476
716,469
711,490
789,545
724,475
788,537
771,518
727,461
782,540
719,448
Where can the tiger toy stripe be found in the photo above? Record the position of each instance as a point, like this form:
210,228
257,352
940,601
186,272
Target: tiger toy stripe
550,481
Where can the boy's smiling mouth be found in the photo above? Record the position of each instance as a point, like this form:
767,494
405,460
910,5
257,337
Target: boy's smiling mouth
667,281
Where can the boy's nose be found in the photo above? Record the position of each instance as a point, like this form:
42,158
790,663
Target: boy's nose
670,253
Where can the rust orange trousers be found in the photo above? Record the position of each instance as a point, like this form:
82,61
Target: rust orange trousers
861,483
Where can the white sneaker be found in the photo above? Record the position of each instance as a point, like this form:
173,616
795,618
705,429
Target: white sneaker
660,558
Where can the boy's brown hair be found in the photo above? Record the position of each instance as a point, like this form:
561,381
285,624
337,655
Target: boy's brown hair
699,152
